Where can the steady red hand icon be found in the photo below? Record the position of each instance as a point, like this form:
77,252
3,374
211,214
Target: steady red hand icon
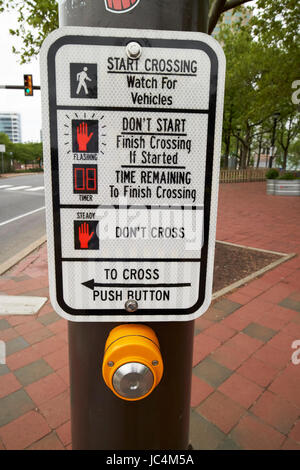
82,136
84,235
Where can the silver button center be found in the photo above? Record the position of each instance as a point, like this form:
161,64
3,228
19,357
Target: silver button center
133,380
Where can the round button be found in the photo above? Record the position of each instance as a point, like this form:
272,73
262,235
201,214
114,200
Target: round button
133,380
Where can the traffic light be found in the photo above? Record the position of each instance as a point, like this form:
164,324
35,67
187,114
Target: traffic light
28,86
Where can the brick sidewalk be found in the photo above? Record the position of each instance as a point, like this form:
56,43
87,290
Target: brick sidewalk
246,390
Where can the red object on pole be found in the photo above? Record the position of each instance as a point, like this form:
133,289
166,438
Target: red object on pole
120,6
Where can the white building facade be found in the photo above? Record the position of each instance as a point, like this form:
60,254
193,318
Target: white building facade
10,124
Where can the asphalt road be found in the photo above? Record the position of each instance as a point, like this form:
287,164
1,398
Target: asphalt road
22,213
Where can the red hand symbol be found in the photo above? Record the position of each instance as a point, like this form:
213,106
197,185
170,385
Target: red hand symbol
84,235
120,4
82,136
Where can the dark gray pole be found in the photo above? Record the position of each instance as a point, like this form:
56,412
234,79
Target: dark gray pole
275,118
100,420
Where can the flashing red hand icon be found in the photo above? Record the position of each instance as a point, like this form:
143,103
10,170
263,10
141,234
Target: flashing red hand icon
82,136
84,235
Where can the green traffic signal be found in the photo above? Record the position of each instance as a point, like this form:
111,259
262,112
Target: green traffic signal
28,85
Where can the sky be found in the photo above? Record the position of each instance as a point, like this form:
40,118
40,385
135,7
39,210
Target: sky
11,73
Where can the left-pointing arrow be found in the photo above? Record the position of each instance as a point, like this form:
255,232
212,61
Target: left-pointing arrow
89,284
92,284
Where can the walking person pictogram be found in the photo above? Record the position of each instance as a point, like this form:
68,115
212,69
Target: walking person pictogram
81,78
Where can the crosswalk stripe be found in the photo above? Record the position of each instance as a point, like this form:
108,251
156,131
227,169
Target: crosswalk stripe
16,188
21,216
38,188
5,186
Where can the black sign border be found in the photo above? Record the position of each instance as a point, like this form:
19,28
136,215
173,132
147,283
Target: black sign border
53,107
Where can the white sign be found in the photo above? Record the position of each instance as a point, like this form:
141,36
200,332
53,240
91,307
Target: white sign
2,148
132,154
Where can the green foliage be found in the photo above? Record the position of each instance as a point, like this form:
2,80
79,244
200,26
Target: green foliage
28,152
4,139
36,18
272,174
287,176
261,70
294,155
277,23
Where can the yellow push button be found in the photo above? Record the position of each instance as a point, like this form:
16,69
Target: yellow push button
132,363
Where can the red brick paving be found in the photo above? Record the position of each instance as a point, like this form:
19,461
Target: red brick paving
230,356
203,345
221,411
295,432
252,434
276,411
45,389
258,371
241,390
8,384
24,431
200,391
256,407
57,410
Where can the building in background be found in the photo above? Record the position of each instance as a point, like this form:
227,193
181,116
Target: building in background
231,17
10,124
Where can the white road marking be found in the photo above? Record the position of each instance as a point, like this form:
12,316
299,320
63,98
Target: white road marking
16,188
38,188
21,216
20,305
5,186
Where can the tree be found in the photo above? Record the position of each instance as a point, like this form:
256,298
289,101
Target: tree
245,107
288,129
4,139
260,74
38,18
277,22
28,152
294,155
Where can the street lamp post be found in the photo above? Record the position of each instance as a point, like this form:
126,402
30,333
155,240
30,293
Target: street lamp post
272,150
237,144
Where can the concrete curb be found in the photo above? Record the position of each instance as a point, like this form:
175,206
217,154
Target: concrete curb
285,257
21,255
12,175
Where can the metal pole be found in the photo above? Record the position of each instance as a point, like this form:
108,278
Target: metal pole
18,87
273,140
100,420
